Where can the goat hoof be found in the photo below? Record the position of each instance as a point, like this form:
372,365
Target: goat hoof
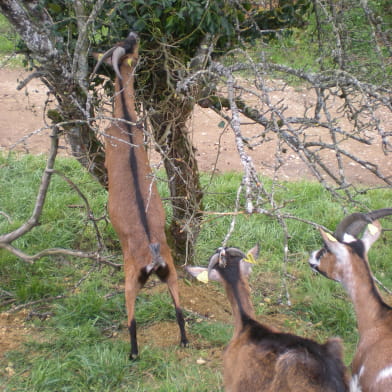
133,356
184,343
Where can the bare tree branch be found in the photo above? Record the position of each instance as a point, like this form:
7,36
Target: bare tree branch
8,238
42,192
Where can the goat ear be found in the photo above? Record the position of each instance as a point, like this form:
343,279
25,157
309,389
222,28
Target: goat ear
201,273
371,234
214,275
195,271
246,263
246,267
254,251
333,245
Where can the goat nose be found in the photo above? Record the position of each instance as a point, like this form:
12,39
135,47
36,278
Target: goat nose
313,261
314,266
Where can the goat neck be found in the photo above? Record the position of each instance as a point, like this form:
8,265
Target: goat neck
260,358
238,294
369,307
124,98
228,264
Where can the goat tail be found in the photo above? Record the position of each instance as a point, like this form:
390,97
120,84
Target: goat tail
157,259
334,370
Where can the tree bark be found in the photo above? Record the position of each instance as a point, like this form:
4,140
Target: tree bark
64,75
172,136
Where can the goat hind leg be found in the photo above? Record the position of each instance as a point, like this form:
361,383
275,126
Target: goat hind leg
172,284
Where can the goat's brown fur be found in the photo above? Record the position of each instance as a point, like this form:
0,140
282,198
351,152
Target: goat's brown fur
135,207
347,263
259,357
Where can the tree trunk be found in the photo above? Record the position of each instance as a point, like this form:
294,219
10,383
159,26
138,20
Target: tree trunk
171,134
64,76
85,146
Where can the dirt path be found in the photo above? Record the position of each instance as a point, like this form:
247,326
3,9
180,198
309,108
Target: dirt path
22,114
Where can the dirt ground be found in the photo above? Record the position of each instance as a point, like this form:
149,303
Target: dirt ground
21,129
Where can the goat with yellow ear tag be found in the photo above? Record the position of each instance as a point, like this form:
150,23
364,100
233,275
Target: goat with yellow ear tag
344,259
259,357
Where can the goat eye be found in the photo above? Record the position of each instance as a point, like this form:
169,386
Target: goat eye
321,253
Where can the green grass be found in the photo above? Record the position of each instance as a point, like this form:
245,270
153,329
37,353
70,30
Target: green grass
83,344
8,44
8,38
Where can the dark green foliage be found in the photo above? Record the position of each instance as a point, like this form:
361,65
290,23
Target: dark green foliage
185,24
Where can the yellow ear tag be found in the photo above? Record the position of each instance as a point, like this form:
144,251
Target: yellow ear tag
203,277
331,237
250,259
372,229
130,62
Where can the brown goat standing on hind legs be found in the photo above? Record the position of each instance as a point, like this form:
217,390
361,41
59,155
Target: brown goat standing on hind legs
344,259
135,207
258,357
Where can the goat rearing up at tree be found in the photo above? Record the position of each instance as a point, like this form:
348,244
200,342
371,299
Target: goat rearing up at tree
135,207
258,357
344,259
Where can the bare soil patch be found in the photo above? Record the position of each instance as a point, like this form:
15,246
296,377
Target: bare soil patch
13,330
22,123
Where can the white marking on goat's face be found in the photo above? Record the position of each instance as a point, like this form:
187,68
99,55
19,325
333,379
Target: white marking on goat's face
335,265
314,261
326,263
384,374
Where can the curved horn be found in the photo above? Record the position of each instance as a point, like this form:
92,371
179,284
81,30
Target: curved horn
235,252
214,260
377,214
354,224
221,255
107,54
117,54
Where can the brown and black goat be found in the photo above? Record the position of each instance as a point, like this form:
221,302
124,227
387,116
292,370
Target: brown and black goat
135,207
344,259
260,358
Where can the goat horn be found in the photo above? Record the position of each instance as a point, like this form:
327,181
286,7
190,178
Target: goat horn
353,224
235,252
214,260
107,54
117,54
377,214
